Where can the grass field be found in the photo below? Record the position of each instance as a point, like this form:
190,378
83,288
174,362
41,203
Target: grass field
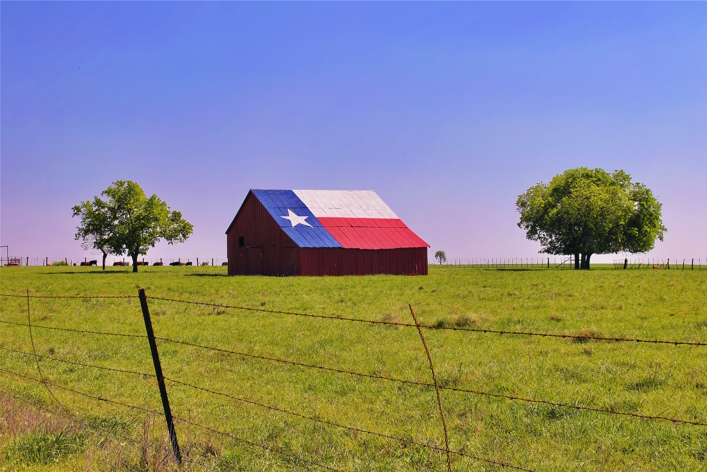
647,379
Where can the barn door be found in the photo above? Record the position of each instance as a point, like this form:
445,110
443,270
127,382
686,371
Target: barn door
288,261
255,260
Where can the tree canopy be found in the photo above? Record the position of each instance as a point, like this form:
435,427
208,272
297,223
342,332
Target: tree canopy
129,222
441,256
95,228
590,211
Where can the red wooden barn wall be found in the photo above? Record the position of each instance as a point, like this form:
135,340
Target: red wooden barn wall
267,250
334,261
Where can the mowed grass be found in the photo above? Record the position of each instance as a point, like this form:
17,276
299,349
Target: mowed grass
647,379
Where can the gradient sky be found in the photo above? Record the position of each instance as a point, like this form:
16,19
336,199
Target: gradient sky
447,110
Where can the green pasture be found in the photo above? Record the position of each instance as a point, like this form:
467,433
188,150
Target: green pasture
647,379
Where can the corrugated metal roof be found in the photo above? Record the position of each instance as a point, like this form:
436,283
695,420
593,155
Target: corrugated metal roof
295,218
354,219
345,203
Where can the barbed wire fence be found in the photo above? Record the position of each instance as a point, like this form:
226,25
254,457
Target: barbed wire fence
162,380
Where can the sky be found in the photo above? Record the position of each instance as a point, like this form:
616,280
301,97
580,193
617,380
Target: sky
448,111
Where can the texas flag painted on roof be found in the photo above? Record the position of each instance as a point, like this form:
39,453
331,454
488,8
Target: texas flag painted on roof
351,219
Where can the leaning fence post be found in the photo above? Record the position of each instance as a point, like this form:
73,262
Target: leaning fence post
160,377
434,378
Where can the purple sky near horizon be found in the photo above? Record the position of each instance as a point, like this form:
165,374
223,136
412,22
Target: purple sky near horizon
447,110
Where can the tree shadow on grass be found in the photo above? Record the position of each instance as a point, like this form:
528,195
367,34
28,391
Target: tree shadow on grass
206,275
107,272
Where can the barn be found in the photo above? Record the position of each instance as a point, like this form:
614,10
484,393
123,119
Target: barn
321,232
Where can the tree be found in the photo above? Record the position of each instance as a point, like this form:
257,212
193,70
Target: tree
583,212
440,256
137,223
95,228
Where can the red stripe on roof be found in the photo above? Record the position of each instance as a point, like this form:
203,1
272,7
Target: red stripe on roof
371,233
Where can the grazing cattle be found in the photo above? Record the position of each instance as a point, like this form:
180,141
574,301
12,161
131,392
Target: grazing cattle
158,263
188,263
142,263
93,263
84,263
224,263
176,263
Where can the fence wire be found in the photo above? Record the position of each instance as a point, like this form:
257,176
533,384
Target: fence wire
83,394
152,411
581,337
82,331
77,297
419,327
91,366
73,417
427,384
338,425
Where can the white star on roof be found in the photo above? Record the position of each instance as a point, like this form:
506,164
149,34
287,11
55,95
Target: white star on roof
296,220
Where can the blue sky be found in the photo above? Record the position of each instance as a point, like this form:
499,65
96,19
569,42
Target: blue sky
447,110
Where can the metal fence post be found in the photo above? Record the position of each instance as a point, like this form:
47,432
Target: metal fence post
160,377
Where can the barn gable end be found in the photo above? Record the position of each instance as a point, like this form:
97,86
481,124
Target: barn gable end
265,249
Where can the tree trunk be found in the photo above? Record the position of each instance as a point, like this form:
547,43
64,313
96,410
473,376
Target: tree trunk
576,262
134,257
105,255
585,261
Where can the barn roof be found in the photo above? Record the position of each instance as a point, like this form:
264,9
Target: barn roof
352,219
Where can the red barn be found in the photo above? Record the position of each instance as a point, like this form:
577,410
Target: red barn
321,232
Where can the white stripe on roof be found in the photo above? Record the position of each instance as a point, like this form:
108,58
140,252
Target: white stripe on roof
345,204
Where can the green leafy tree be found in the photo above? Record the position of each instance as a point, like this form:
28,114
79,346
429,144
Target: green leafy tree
95,228
583,212
137,222
440,256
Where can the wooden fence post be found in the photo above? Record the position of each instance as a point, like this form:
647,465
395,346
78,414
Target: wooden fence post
160,377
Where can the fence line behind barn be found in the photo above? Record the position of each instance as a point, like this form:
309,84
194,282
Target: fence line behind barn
110,261
555,262
198,384
568,262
